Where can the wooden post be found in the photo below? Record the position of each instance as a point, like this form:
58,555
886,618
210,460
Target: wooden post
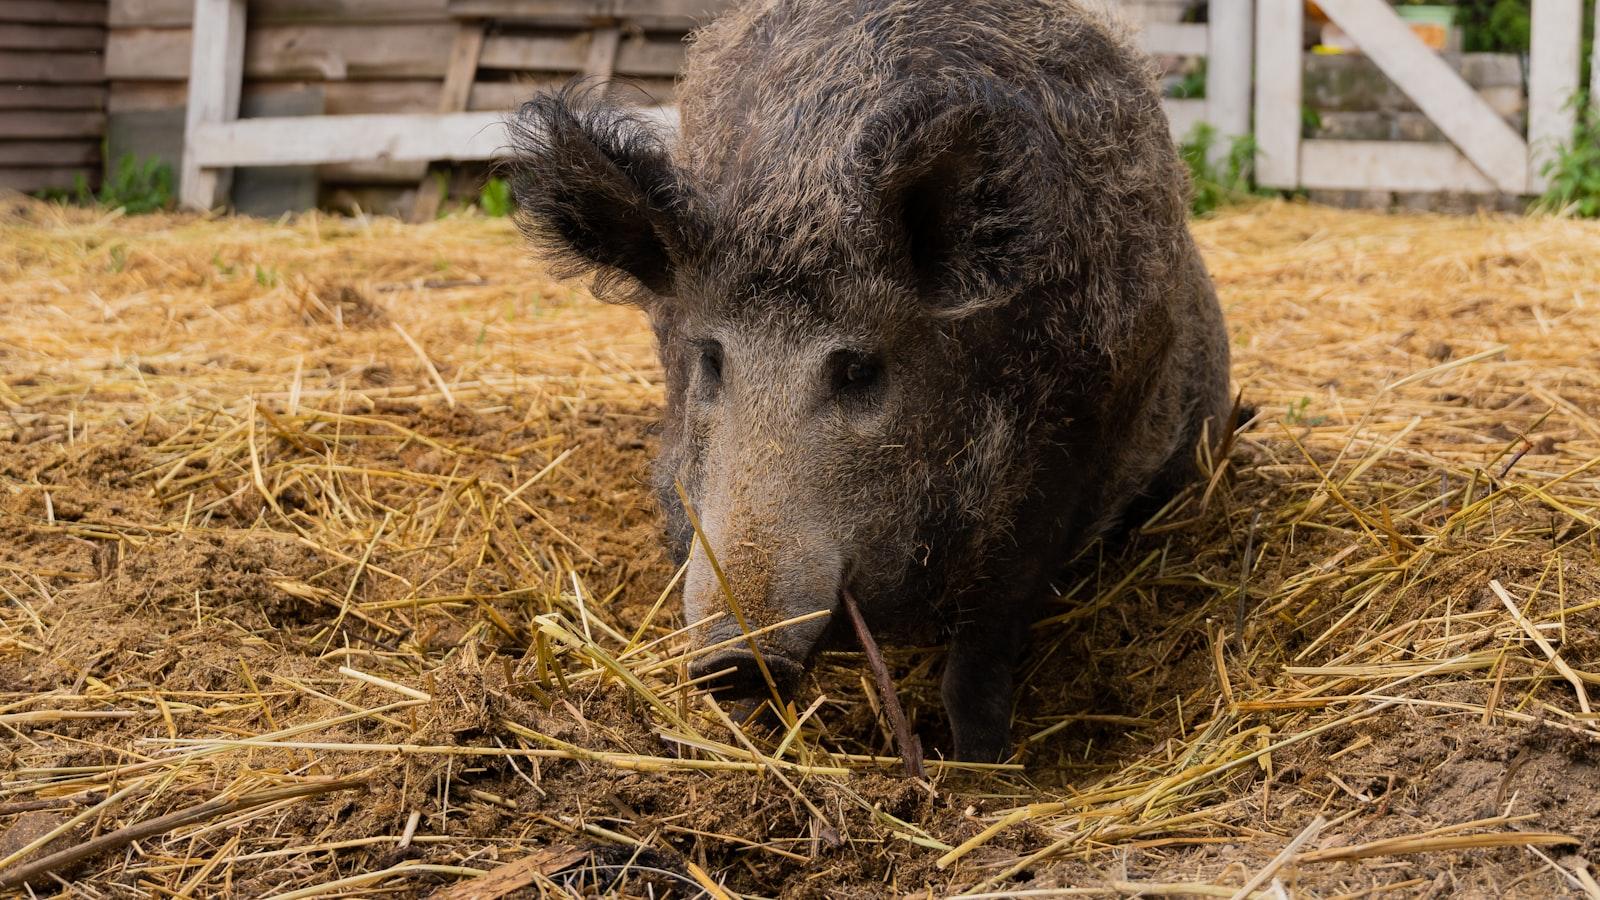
1553,78
1279,24
453,98
1594,65
601,62
1229,70
216,73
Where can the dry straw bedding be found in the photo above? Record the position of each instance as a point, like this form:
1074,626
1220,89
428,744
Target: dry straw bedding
326,568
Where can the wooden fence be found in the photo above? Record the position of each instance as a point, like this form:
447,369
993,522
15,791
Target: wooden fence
322,59
354,92
633,38
52,92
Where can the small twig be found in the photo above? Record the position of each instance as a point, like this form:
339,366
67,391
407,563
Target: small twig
122,837
1515,458
910,747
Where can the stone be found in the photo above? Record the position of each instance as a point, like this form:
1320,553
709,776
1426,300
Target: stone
1492,70
1355,126
1414,126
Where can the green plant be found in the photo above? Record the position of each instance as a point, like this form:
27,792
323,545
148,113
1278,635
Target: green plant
1310,121
1296,414
495,198
1574,173
1494,26
1218,182
132,185
1192,86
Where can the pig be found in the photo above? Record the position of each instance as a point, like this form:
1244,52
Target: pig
929,312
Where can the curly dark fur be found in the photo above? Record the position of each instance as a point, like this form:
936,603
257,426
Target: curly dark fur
927,303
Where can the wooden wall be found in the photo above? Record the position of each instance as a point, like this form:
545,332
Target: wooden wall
308,57
52,92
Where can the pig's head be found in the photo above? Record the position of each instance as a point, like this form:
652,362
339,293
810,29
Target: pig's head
830,319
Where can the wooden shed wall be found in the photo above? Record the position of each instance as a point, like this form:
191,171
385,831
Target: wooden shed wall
52,92
308,57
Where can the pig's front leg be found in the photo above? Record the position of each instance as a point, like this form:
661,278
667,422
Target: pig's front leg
978,677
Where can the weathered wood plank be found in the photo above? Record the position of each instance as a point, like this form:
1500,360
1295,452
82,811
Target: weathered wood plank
179,13
52,96
1174,39
601,62
1278,75
547,53
1483,137
462,69
345,139
1389,166
51,67
325,52
348,139
29,180
159,133
1594,63
1230,64
51,37
458,78
217,62
1553,76
54,12
650,15
37,124
367,97
656,56
49,153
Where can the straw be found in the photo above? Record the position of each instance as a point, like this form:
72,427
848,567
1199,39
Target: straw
328,501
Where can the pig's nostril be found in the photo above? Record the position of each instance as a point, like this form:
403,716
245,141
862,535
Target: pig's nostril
738,674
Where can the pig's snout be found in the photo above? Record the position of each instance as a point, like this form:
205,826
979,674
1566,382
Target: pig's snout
738,675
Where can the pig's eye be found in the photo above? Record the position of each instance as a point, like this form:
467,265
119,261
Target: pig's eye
711,363
855,374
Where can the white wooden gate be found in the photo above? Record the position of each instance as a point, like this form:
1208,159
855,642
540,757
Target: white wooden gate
1483,155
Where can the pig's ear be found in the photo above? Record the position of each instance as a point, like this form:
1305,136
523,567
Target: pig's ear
597,192
963,204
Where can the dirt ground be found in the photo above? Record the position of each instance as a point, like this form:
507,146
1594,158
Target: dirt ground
327,540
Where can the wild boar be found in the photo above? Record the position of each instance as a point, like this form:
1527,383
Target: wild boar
928,308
